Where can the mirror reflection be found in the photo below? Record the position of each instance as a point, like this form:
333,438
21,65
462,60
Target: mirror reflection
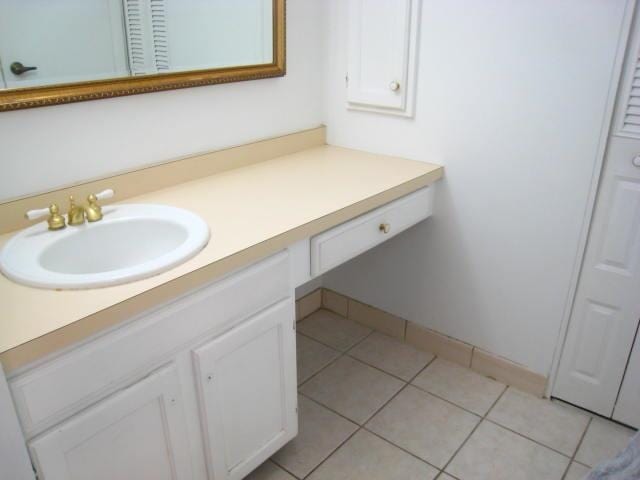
47,42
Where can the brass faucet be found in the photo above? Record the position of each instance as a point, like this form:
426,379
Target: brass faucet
93,210
77,213
55,220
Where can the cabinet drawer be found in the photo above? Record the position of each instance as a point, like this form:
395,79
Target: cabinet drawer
333,247
46,394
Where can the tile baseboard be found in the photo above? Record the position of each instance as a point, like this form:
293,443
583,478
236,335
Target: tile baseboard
308,304
465,354
508,372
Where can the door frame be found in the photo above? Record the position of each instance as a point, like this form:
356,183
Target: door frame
626,40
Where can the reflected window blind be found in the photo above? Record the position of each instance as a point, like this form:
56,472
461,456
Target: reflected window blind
147,36
631,119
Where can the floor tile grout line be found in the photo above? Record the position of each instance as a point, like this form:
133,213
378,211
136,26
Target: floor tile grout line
384,371
271,459
473,431
584,434
341,354
348,353
537,442
409,382
362,426
481,416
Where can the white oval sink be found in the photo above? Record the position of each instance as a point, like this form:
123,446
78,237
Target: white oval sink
131,242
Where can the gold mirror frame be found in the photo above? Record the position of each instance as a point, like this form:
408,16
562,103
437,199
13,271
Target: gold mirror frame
94,90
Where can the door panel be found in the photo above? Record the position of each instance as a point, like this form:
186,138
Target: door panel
607,304
382,44
247,386
628,405
136,434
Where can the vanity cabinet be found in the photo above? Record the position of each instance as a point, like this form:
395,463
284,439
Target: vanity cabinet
202,387
247,392
139,432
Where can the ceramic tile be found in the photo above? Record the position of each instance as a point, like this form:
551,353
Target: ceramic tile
333,330
269,471
459,385
603,440
352,388
441,345
391,355
377,319
576,472
308,304
495,453
335,302
445,476
312,356
508,372
549,423
320,433
424,425
367,457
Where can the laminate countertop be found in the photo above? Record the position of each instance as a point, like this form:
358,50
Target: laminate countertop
252,211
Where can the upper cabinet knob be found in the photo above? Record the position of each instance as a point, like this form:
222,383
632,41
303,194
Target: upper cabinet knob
394,86
18,68
636,161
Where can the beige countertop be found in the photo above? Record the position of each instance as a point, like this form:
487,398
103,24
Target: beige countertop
252,211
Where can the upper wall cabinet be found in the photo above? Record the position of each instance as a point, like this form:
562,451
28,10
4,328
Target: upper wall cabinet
383,42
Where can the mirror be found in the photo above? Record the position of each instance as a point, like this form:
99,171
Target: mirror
56,51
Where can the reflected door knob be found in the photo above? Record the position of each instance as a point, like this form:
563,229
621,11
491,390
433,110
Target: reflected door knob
18,68
636,161
394,86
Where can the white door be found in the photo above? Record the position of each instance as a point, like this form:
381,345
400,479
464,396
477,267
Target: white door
136,434
247,387
606,308
607,305
628,405
66,40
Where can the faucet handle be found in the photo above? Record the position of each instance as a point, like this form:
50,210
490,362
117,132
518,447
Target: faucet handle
37,213
94,211
105,194
55,220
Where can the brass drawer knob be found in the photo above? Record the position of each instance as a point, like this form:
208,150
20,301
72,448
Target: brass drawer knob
384,228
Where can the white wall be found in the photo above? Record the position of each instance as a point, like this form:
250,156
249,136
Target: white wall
511,99
49,147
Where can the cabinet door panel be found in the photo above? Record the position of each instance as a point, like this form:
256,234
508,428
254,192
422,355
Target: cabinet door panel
138,433
382,44
628,405
247,386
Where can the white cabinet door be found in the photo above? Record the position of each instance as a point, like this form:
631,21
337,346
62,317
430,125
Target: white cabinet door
607,304
628,405
136,434
382,45
247,390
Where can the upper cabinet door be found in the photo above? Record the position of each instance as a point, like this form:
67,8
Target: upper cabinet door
138,433
247,388
381,55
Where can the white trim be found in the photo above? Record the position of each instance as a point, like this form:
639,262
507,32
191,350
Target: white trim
607,129
14,457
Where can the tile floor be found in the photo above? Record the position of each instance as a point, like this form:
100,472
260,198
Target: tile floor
374,408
